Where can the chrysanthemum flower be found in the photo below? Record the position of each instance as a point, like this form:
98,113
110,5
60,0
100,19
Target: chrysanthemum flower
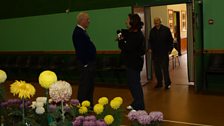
109,119
115,104
23,89
42,99
60,91
156,116
132,115
89,123
86,103
67,108
103,101
98,108
47,78
50,100
75,102
40,110
76,123
100,123
33,105
83,110
144,119
3,76
141,112
81,118
119,99
39,104
90,118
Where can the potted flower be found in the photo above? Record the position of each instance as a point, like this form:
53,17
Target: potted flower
142,118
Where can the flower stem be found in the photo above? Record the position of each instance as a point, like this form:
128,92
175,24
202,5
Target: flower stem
23,114
62,111
47,107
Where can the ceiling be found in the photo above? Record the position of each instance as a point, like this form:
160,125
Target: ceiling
23,8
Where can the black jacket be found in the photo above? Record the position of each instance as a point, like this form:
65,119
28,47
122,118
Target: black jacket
160,41
84,47
132,50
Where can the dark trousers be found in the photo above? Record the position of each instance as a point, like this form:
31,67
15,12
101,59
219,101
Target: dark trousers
134,84
86,85
161,65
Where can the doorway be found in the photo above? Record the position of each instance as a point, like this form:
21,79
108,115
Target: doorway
176,18
176,32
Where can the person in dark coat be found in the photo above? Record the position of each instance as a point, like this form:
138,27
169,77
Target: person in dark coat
161,44
131,42
86,56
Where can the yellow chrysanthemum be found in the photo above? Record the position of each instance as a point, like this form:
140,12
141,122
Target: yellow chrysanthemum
109,119
23,89
119,99
103,100
3,76
14,87
86,103
115,104
83,110
98,108
47,78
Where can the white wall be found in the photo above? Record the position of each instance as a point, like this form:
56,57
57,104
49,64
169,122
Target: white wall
159,11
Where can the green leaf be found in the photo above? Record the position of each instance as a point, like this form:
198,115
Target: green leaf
32,121
53,123
15,113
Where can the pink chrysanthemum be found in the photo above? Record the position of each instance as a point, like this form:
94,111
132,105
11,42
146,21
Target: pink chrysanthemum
144,119
133,115
156,116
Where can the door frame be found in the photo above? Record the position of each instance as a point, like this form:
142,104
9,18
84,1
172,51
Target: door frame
190,46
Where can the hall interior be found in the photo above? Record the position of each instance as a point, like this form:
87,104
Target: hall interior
181,105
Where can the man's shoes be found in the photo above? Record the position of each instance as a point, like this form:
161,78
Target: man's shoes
158,86
167,86
129,107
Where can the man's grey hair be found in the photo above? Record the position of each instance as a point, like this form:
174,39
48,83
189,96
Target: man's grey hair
80,16
158,18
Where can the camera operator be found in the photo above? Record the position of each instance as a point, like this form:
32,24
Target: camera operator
131,43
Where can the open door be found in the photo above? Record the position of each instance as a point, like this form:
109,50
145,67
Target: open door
190,43
148,54
198,44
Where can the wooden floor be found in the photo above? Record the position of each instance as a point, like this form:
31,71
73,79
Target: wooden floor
181,105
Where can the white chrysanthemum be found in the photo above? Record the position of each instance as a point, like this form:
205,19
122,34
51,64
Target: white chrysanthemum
39,104
33,105
40,110
50,100
3,76
60,91
42,99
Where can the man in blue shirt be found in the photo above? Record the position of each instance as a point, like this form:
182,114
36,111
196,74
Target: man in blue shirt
86,56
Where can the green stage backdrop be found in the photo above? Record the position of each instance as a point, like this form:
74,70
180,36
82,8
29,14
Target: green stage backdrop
54,32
